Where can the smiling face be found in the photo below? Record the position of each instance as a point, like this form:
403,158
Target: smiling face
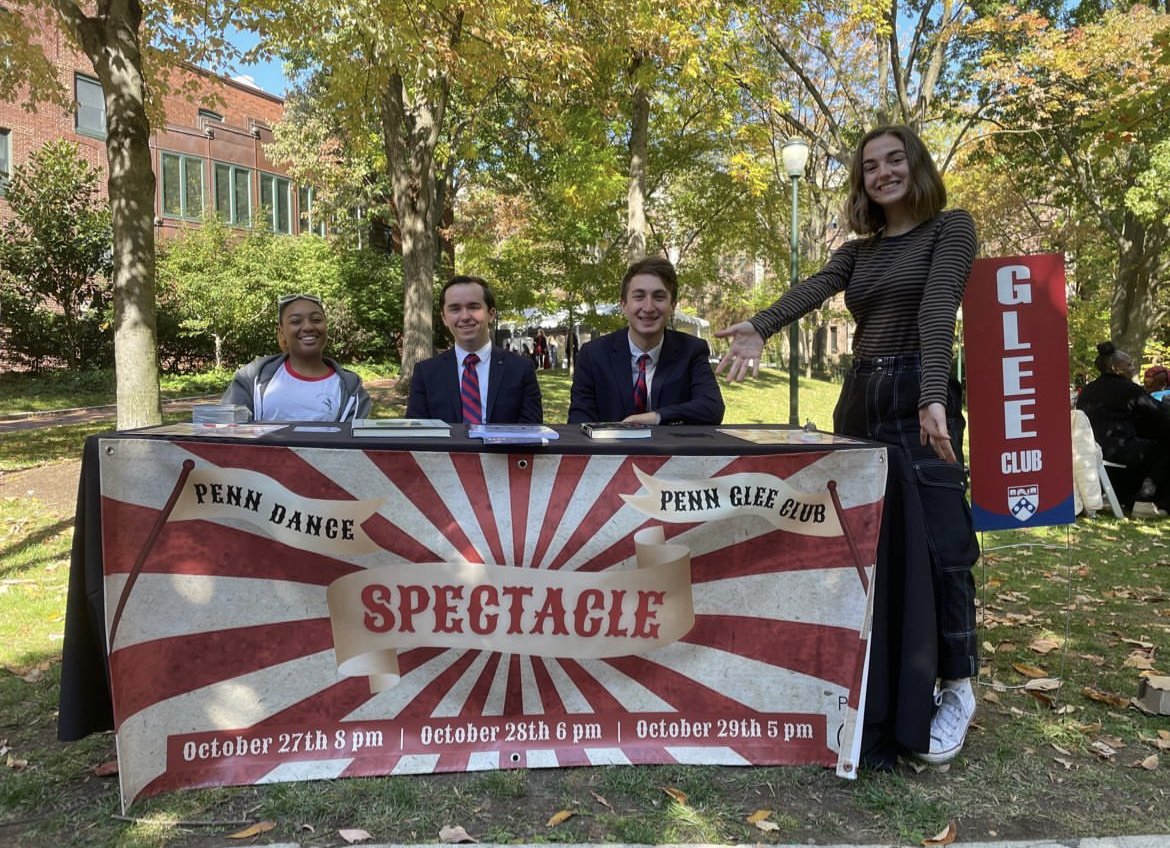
886,171
467,316
301,330
647,305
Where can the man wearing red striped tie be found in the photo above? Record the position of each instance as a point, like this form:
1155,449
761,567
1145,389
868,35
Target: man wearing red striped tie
646,374
475,382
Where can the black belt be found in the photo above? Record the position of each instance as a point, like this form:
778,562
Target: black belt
897,362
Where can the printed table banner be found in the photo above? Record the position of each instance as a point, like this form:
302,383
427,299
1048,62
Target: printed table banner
1015,324
281,614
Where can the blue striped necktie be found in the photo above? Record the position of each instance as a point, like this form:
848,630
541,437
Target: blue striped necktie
469,389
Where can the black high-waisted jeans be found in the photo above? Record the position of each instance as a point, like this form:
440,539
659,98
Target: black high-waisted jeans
879,401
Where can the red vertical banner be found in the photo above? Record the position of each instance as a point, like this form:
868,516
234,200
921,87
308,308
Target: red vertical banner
1015,330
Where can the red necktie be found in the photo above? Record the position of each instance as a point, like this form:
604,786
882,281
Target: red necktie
469,389
640,384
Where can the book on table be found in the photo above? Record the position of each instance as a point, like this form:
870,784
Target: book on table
512,434
615,430
411,428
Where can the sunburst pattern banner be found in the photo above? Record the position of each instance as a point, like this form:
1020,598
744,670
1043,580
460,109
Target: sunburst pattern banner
283,613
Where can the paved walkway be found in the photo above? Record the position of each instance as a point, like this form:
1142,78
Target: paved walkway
380,390
85,414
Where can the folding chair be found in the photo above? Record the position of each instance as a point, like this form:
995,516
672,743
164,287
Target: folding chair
1107,486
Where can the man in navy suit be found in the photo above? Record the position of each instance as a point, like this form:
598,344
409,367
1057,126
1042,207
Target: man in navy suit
646,373
508,391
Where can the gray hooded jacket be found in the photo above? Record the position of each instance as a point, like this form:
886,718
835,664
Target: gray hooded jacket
248,386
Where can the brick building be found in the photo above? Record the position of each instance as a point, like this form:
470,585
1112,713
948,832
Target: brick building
209,155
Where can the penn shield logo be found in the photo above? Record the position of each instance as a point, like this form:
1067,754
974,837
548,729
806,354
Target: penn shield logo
1023,501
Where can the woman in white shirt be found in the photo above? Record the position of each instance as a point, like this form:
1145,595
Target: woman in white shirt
301,383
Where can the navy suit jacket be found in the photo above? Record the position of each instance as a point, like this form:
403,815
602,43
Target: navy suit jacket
684,389
513,393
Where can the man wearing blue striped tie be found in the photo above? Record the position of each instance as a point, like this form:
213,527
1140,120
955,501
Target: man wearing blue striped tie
474,382
646,373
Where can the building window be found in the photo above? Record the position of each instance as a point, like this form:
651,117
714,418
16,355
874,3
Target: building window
311,219
276,198
91,106
233,194
209,115
5,159
182,186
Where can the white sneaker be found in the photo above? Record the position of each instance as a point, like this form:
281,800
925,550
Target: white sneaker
954,709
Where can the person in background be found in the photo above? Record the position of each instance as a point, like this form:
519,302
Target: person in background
903,282
300,383
540,349
645,373
474,382
1132,429
1157,382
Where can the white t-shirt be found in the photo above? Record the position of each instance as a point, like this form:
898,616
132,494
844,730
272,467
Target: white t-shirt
290,396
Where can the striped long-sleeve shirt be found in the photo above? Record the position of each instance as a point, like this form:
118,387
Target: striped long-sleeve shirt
903,291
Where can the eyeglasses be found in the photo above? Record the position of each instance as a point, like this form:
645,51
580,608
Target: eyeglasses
285,299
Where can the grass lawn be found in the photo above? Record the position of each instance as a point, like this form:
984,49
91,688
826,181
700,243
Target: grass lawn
1088,604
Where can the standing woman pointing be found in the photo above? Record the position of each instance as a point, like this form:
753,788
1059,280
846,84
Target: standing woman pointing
903,282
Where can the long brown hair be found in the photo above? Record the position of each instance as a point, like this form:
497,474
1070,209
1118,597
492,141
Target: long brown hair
926,194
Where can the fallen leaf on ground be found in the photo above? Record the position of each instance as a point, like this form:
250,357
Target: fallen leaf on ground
15,764
106,769
678,795
1068,764
1043,684
1139,659
1104,697
253,830
1150,763
1138,643
1062,751
767,826
1029,670
1102,750
455,834
354,834
1045,645
758,816
1043,697
600,799
944,837
1161,742
307,828
557,818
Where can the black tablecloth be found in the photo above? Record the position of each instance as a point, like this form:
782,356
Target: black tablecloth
903,649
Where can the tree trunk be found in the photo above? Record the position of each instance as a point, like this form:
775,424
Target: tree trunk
111,40
639,140
1131,304
410,132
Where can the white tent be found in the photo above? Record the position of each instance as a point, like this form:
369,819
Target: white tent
682,321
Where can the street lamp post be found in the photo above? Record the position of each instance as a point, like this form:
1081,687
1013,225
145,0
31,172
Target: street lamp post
795,156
